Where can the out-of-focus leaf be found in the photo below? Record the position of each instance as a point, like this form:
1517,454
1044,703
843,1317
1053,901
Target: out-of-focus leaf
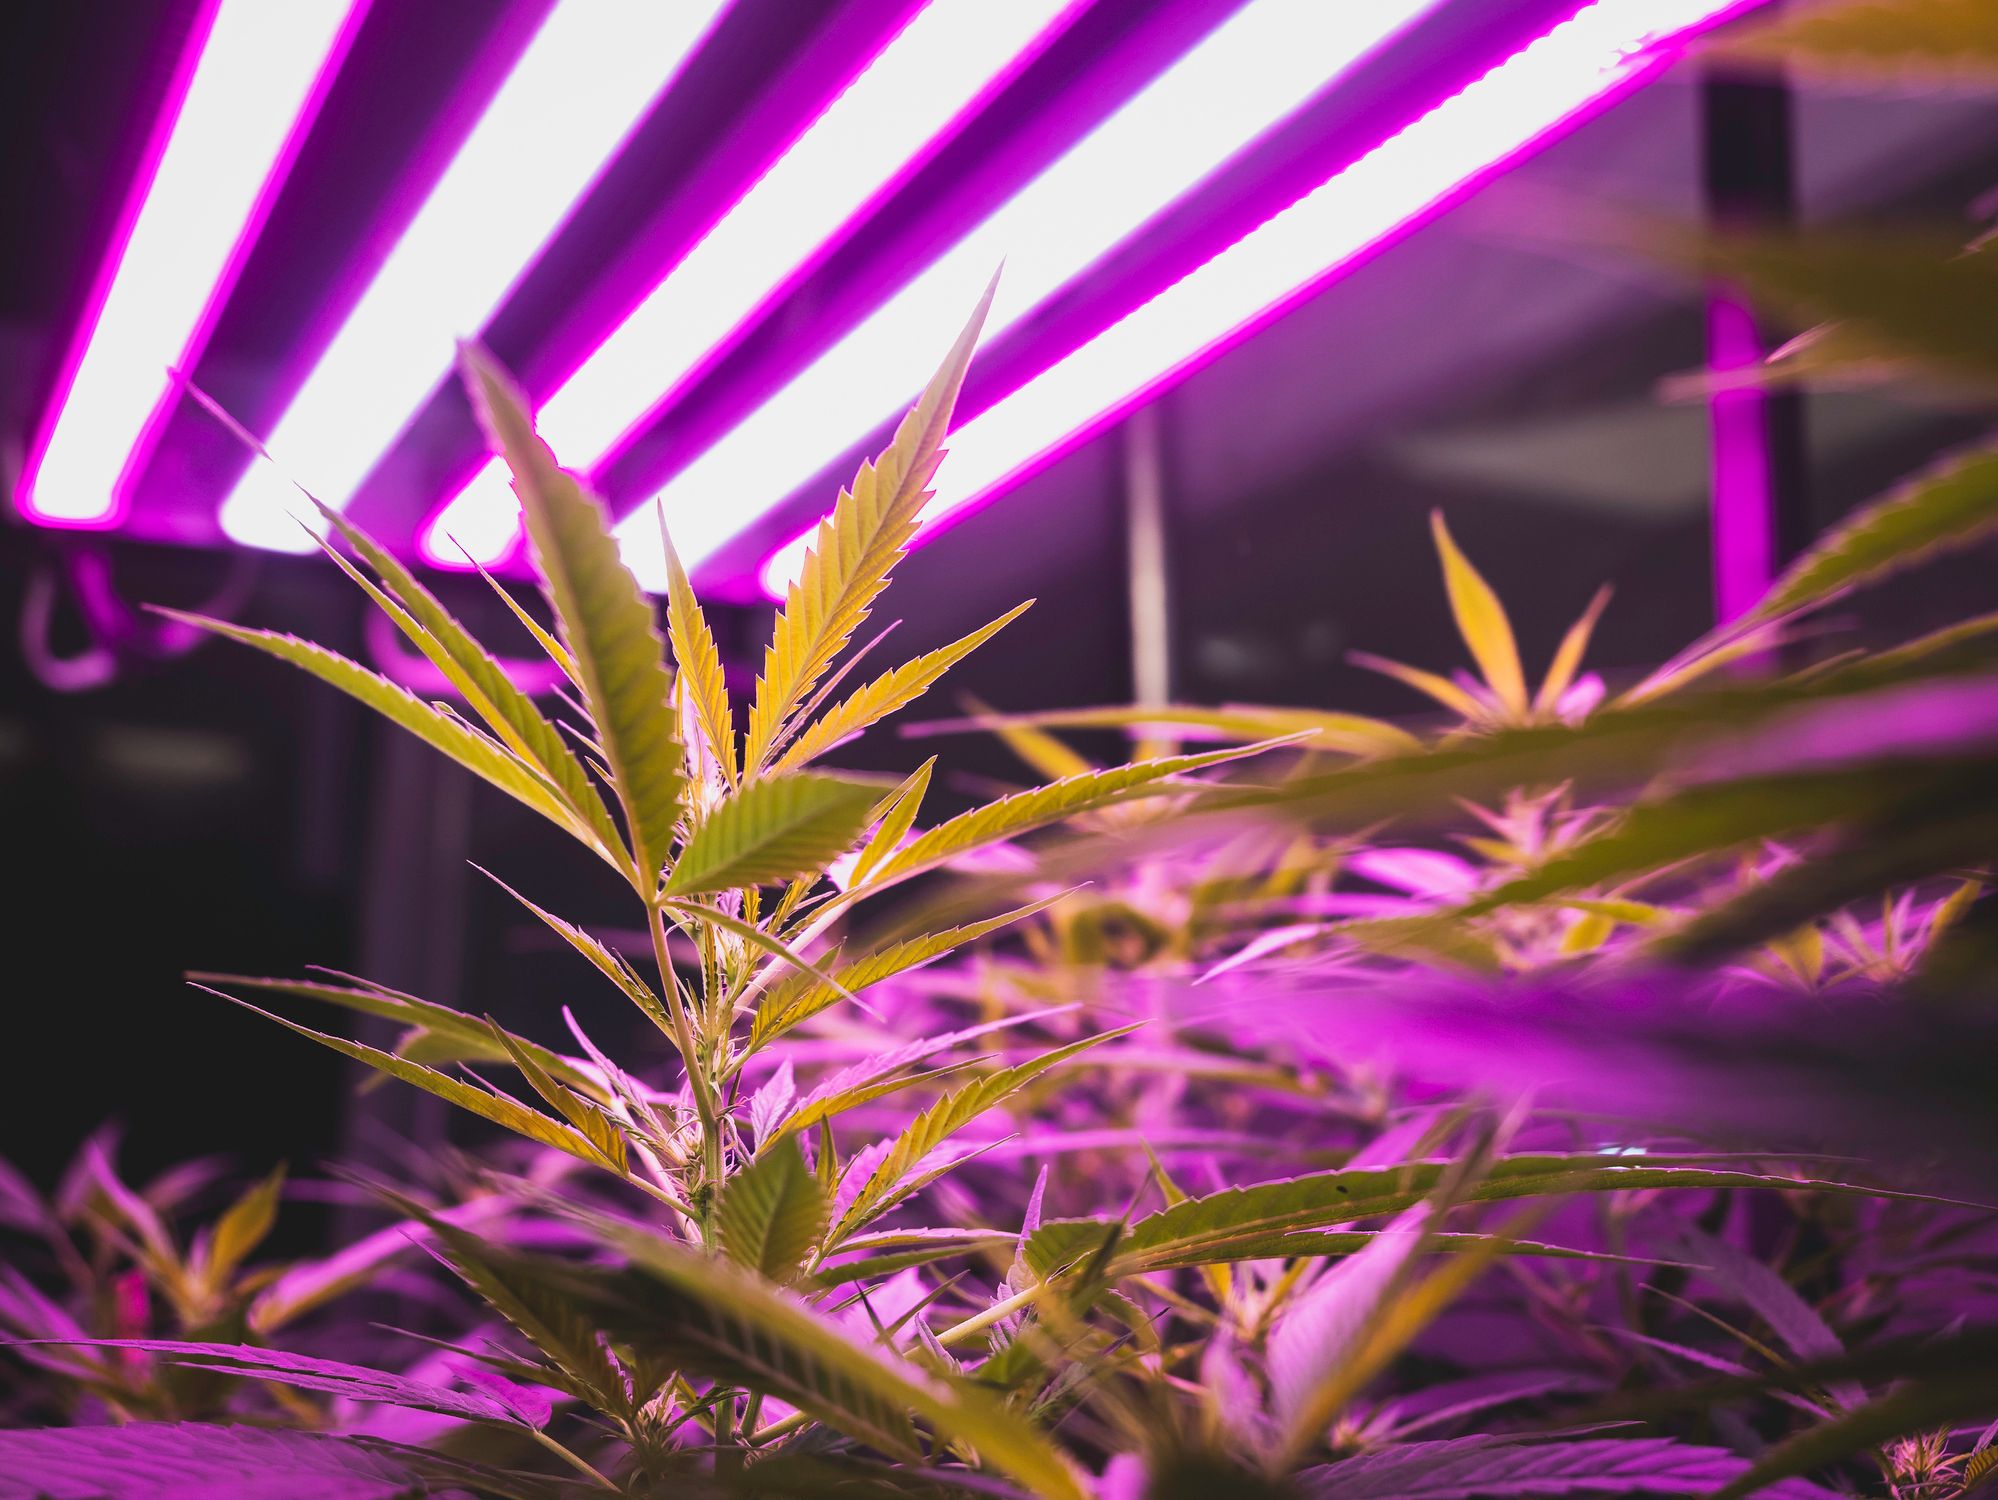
197,1461
772,1213
1481,621
853,550
772,828
1472,1467
605,619
1891,42
356,1382
1429,684
1240,722
1919,1406
699,662
796,1000
1023,812
243,1226
1952,504
1568,656
887,693
484,758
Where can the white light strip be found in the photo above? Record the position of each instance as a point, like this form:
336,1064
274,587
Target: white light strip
1502,115
241,102
889,118
1257,67
584,83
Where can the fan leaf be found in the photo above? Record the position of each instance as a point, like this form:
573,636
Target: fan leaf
772,828
772,1213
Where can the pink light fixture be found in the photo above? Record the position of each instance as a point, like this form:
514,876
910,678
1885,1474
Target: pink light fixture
1602,50
249,82
1252,71
589,76
908,100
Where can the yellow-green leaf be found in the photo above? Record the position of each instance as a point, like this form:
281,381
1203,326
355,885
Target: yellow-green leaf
853,551
887,693
1481,621
894,815
606,622
699,662
772,828
772,1213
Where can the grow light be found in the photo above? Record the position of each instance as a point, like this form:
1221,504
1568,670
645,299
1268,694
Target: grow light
907,101
1253,70
1519,106
588,77
249,81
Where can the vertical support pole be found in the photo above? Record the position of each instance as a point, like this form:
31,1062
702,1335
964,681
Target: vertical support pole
1146,558
1761,513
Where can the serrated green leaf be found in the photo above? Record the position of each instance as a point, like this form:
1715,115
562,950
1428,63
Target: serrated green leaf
885,1186
605,620
1224,1225
798,999
481,681
483,757
853,550
1022,812
1481,620
895,815
592,1123
887,693
772,828
1240,722
1950,505
772,1213
720,1320
699,662
1891,42
497,1108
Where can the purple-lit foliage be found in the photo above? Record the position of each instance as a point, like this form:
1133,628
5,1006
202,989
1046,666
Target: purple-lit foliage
1416,1111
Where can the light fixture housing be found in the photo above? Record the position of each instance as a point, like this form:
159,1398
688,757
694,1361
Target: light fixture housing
587,78
1547,87
249,82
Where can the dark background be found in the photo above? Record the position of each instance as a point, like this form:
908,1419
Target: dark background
214,810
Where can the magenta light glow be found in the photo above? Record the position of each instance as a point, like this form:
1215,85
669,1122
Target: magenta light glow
906,102
1744,509
1257,67
249,82
1518,106
584,83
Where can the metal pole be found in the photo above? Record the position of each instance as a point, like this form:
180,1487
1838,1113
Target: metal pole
1147,577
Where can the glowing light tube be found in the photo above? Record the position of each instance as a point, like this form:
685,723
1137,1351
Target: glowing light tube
250,80
1249,73
888,119
585,81
1514,108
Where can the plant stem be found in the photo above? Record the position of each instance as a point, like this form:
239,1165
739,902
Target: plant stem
698,1083
979,1322
574,1460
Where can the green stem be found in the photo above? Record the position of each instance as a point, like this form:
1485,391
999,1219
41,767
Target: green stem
575,1461
698,1082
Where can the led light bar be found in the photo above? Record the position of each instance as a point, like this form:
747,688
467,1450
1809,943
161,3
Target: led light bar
585,81
1603,49
1257,67
249,82
906,101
